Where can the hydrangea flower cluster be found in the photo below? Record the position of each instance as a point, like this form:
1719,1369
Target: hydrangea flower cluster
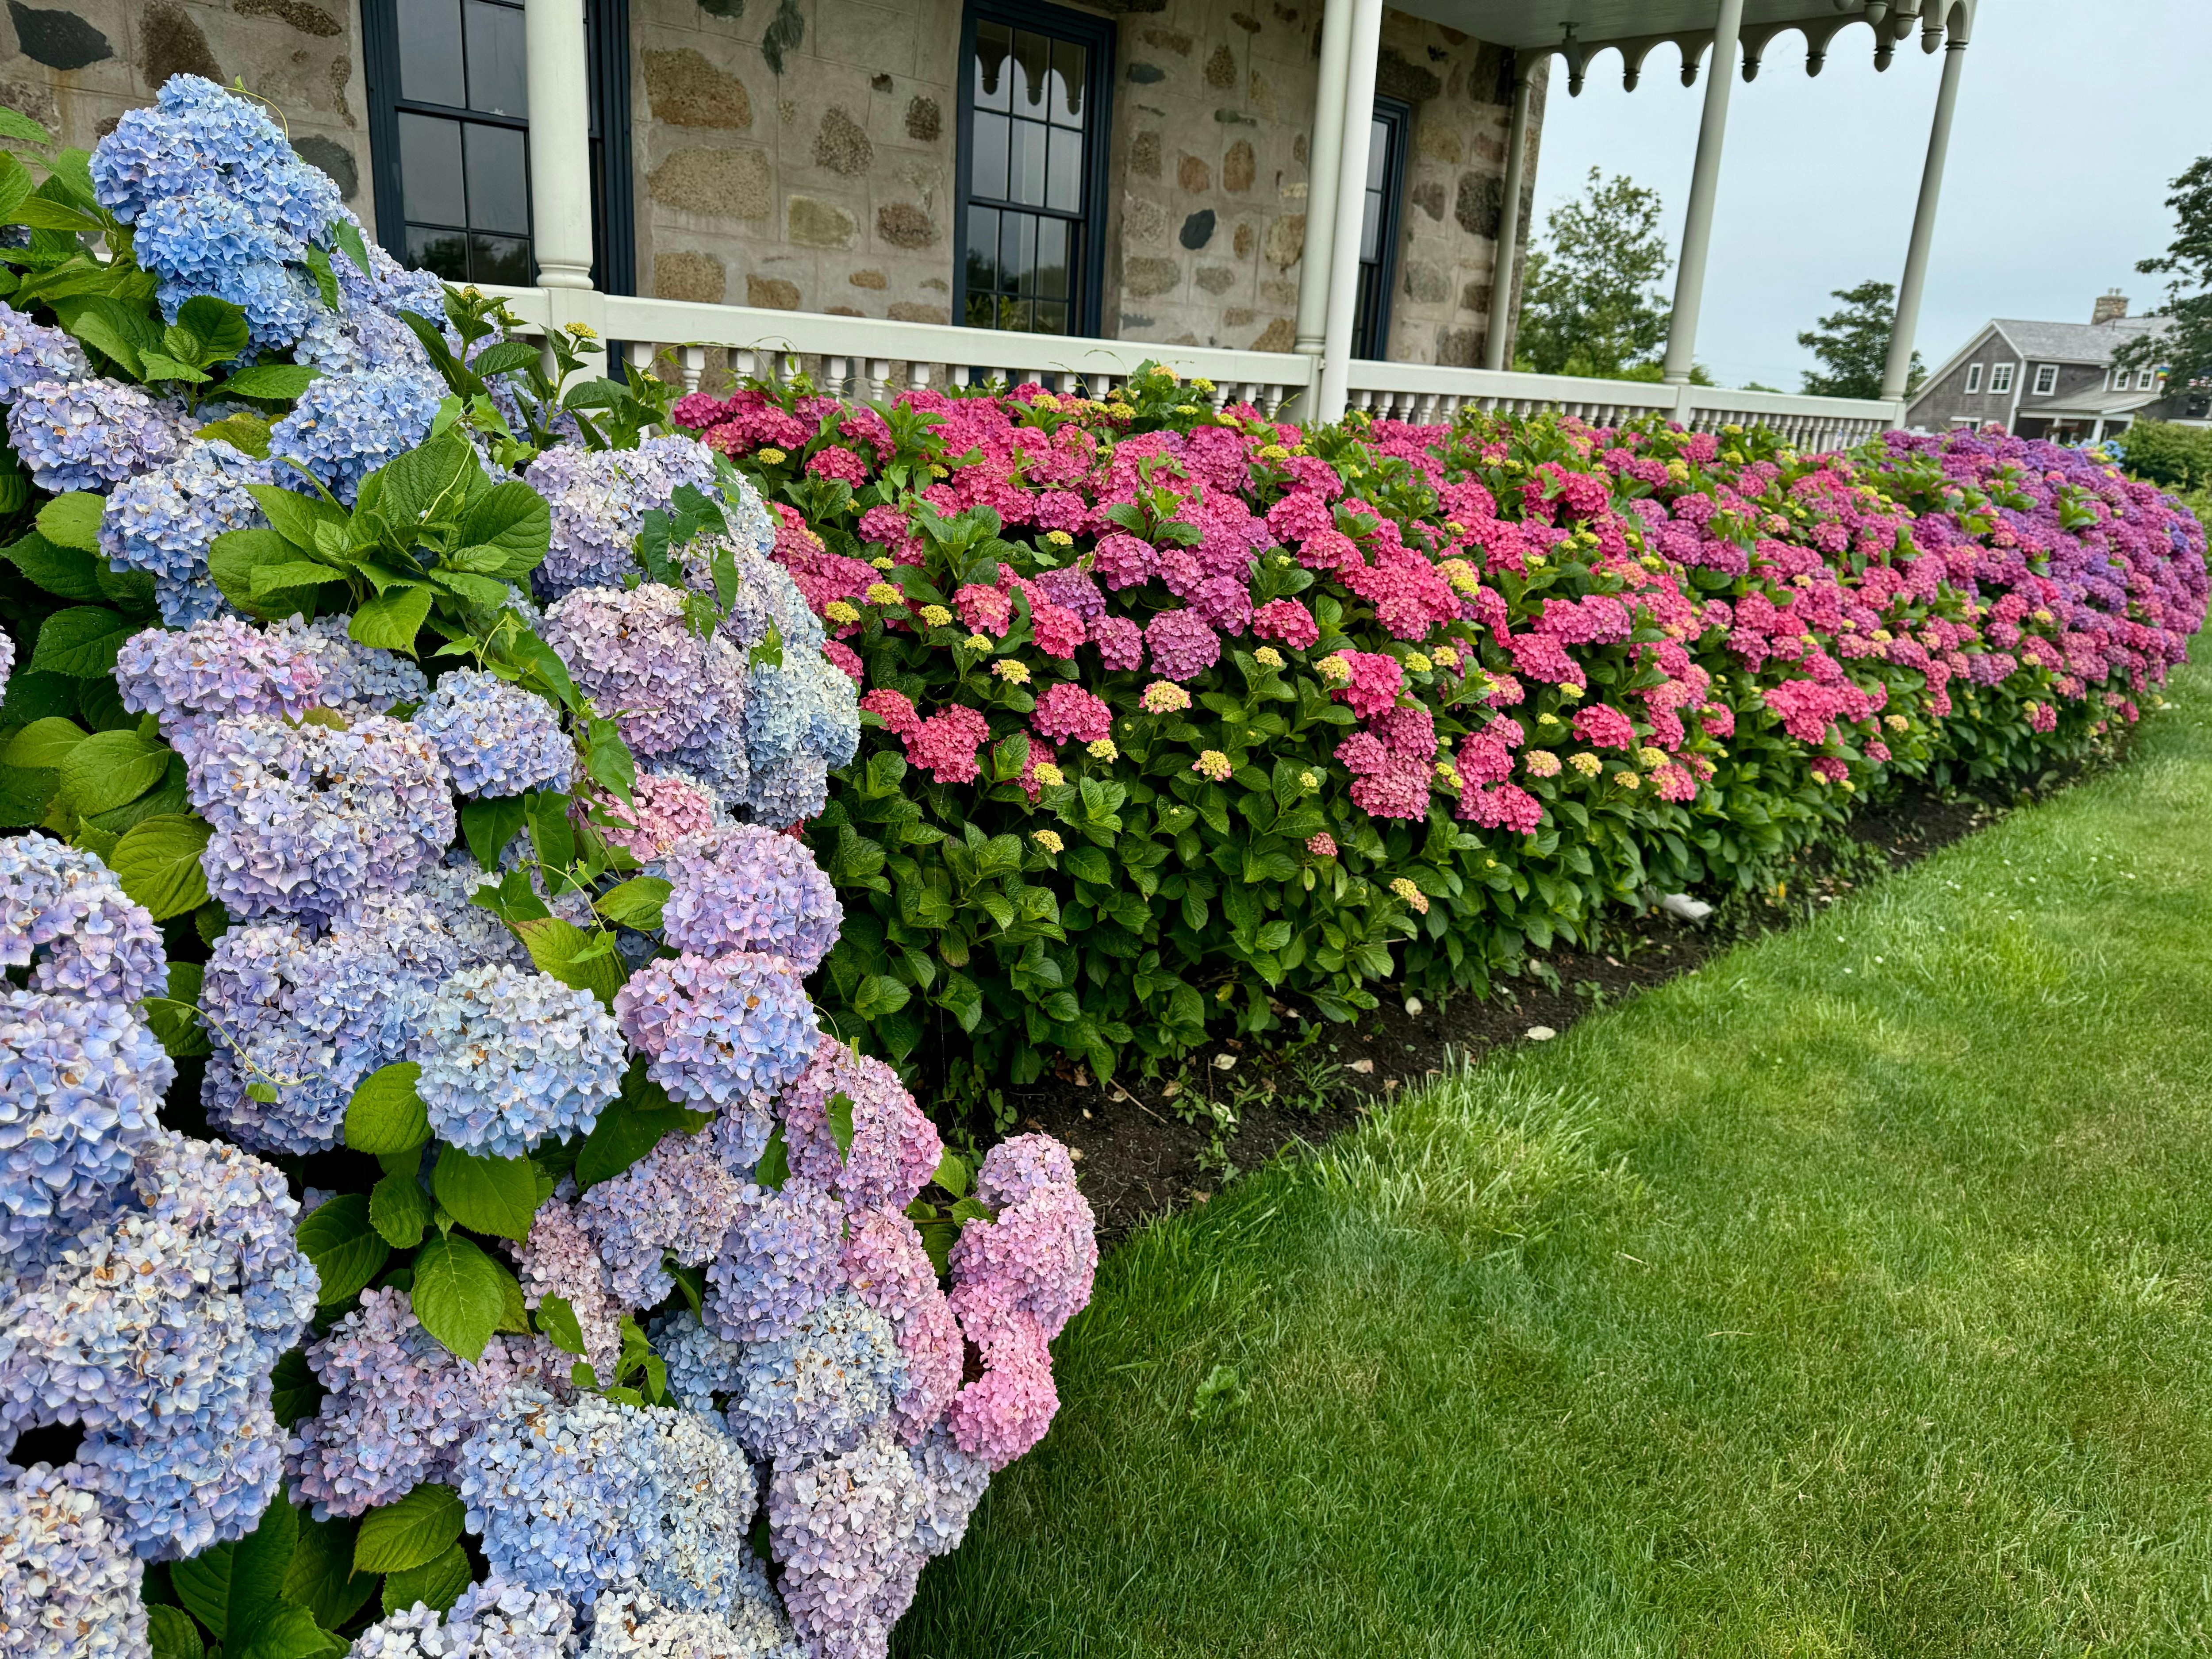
509,1058
165,521
496,739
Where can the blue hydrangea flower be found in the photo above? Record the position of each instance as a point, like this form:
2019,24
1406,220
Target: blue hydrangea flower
744,888
163,522
497,739
495,1619
307,817
344,427
90,434
679,1197
700,1364
64,916
80,1086
718,1029
200,1478
821,1387
509,1058
31,351
311,1017
550,1489
68,1585
802,717
631,1622
779,1263
695,1510
952,1484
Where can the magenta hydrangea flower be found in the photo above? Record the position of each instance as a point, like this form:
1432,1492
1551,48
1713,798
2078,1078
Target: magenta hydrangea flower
1183,645
1068,711
1288,621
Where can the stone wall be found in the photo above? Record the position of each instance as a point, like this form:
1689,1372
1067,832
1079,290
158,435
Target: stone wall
78,68
1213,107
823,181
826,187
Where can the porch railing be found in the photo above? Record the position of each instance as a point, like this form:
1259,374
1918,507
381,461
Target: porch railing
869,357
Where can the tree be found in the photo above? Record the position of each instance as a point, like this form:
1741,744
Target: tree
1853,344
2185,349
1590,301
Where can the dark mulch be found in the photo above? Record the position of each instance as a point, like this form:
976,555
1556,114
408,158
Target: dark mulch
1147,1146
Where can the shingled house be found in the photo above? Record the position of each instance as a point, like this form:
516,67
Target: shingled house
2056,380
1283,195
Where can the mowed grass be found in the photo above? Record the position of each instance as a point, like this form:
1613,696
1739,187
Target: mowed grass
1846,1297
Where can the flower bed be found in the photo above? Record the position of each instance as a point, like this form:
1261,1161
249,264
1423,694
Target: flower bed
1171,714
525,1198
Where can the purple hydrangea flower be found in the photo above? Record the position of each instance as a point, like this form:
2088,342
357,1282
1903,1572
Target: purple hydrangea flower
743,888
559,1258
509,1058
778,1262
90,434
681,1197
635,653
497,739
1183,645
846,1529
189,677
718,1029
31,351
357,678
64,916
599,499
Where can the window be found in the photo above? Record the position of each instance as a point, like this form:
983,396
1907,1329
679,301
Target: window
1378,229
2047,378
1973,378
2146,378
1032,127
2001,377
453,130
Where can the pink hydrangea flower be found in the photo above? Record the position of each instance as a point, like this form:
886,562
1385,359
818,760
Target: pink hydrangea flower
1288,621
1376,681
1605,726
1068,711
945,746
985,609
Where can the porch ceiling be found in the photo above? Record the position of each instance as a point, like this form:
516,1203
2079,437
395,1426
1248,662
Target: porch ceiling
1637,25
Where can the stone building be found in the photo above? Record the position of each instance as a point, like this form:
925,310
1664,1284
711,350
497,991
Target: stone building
1151,156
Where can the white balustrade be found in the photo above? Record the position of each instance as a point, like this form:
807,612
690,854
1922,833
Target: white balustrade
869,358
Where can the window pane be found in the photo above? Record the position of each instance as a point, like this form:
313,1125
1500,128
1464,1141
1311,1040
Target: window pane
1378,154
430,52
1032,59
444,252
497,81
1052,239
1014,316
430,170
983,310
1051,316
1017,252
1025,164
987,168
1068,69
499,180
499,259
1370,227
1064,176
983,251
993,42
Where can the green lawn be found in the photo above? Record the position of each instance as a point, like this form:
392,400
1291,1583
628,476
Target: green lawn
1846,1297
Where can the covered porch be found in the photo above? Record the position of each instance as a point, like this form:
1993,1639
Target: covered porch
1321,376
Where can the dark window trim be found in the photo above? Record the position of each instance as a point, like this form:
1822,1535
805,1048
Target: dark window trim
614,220
1097,35
1374,344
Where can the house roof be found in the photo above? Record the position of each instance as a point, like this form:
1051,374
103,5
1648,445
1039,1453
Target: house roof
2075,342
2091,404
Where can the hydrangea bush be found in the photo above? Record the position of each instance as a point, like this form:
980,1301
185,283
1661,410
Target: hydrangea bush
1172,712
434,1217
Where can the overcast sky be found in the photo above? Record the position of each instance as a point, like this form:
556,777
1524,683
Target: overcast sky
2071,121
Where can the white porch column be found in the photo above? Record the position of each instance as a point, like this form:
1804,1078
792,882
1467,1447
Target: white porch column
1899,369
1508,224
1705,184
1324,153
560,142
1350,206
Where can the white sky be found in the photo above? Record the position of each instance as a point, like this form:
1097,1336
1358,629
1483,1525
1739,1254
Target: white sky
2072,120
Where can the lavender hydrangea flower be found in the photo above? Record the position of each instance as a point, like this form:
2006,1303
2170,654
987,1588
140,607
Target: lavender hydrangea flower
7,656
821,1387
718,1029
311,1017
64,914
307,817
189,677
559,1258
357,678
846,1530
681,1197
90,434
400,1404
81,1083
779,1262
634,653
31,351
68,1585
497,739
599,499
509,1058
952,1484
344,427
496,1620
165,521
743,888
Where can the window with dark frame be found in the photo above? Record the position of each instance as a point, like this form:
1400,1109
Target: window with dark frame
1032,131
1378,229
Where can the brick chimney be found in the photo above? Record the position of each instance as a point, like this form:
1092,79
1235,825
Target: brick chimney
2112,304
